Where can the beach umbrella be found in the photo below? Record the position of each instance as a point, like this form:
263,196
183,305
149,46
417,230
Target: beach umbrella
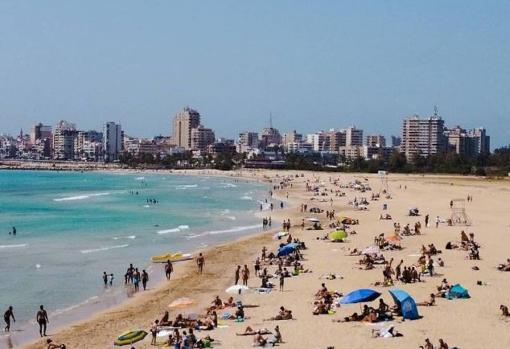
287,249
337,235
371,250
237,289
181,302
406,304
359,296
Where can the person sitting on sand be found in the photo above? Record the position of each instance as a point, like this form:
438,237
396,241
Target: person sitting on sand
217,303
442,344
259,340
504,310
230,302
165,320
428,344
430,302
283,314
383,309
371,317
51,345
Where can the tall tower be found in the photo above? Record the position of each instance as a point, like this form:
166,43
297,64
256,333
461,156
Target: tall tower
184,121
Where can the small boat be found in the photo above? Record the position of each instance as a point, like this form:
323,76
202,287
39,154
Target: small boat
130,337
172,257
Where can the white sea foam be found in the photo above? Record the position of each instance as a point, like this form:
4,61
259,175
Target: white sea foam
132,237
139,178
173,230
225,231
186,186
101,249
13,246
246,197
229,185
80,197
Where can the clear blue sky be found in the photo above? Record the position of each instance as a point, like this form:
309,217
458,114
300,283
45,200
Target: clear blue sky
313,64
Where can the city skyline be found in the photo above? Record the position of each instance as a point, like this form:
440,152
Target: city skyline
313,66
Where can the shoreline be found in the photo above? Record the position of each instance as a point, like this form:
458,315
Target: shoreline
120,295
440,321
183,269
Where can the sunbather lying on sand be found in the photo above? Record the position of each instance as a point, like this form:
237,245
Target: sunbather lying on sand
505,266
251,332
386,333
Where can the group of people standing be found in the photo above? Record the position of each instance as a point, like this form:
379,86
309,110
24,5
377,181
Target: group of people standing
134,276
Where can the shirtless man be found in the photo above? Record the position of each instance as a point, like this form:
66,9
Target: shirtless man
200,263
169,269
42,319
428,344
7,318
237,274
442,344
246,275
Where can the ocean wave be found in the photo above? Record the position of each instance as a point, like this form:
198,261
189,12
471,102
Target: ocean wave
186,186
246,197
75,306
101,249
13,246
132,237
139,178
173,230
229,185
80,197
225,231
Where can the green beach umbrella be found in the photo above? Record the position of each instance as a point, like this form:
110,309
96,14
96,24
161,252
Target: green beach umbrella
337,235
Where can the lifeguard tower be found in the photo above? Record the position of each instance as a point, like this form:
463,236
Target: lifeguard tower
458,214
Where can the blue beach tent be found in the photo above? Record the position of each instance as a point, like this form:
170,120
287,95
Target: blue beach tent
406,304
457,291
359,296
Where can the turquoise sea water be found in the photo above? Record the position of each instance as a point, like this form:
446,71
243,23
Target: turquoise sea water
72,226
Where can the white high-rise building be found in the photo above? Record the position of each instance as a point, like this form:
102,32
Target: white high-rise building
112,141
423,136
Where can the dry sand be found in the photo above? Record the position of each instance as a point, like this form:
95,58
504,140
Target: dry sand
471,323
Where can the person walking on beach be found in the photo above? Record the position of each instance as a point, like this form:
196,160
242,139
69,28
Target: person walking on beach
136,280
42,319
426,220
282,281
237,274
145,279
169,268
200,263
7,318
437,222
105,278
246,275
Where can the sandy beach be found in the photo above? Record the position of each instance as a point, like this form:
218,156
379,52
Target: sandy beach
466,323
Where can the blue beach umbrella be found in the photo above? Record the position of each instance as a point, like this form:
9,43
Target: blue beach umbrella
287,249
406,304
360,296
